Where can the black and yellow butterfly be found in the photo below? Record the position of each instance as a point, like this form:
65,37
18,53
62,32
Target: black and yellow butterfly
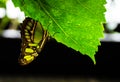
33,39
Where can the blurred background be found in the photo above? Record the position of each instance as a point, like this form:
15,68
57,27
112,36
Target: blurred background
58,62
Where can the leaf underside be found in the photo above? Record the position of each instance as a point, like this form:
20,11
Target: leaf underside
75,23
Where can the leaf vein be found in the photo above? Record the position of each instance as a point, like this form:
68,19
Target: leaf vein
66,34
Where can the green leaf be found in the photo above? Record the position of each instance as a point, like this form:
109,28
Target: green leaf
3,3
75,23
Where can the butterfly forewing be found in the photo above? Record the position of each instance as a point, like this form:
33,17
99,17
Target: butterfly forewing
39,32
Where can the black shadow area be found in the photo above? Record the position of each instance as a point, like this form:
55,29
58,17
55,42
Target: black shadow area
58,60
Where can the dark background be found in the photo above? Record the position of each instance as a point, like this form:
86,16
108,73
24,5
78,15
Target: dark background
58,60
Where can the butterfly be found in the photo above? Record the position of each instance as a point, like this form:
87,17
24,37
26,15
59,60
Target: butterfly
33,38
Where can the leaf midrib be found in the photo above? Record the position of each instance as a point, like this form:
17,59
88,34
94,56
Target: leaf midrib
66,34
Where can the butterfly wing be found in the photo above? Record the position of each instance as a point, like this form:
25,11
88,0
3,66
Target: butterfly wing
33,39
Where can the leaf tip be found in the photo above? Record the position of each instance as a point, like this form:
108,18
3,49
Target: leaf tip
93,59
